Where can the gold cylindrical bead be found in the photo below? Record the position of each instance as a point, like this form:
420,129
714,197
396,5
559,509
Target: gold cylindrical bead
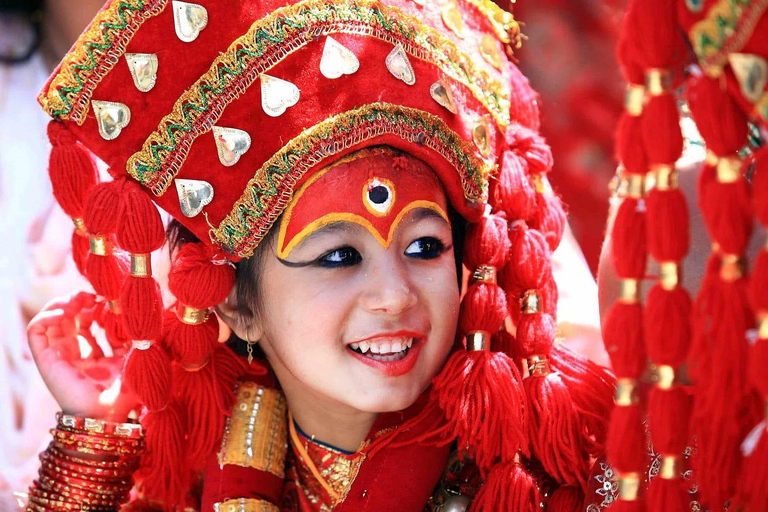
635,185
670,274
666,376
711,158
478,340
629,486
669,470
625,392
79,226
141,265
530,303
630,291
666,177
190,315
731,267
762,328
114,306
657,81
728,169
100,245
538,366
634,100
538,183
484,274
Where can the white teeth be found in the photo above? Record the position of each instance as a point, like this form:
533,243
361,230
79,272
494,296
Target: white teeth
396,347
354,346
364,346
376,349
393,347
410,342
384,348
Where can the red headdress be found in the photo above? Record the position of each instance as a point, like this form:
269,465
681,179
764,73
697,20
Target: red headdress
218,112
709,337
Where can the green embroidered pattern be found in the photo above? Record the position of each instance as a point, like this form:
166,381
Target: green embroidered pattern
273,38
726,28
95,53
272,186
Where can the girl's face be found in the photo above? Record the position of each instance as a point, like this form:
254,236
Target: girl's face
359,309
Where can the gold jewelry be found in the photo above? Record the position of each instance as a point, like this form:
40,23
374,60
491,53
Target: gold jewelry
250,348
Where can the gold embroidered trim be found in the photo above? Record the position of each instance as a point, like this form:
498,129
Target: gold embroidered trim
94,55
271,188
505,26
245,505
256,435
273,38
726,29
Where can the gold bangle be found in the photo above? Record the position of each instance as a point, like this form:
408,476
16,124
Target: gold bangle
658,81
190,315
530,303
629,486
114,307
100,245
634,100
625,392
538,366
732,267
484,274
728,169
670,275
635,185
79,226
478,340
669,469
141,265
630,291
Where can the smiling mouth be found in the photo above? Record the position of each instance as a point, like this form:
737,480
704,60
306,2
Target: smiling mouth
385,351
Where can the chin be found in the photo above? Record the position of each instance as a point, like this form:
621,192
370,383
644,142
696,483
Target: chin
387,400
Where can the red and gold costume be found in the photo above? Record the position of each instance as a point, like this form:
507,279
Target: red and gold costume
229,115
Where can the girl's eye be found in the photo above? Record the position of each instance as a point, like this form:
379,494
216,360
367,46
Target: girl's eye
342,257
427,248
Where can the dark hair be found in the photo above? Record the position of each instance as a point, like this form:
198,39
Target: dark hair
32,11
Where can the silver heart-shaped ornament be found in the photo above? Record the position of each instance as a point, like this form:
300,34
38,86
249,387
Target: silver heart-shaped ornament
337,60
398,64
231,144
193,195
111,117
442,95
751,72
277,95
143,68
188,20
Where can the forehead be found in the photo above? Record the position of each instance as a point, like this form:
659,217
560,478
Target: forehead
375,188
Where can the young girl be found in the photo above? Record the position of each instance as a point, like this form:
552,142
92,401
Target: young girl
323,159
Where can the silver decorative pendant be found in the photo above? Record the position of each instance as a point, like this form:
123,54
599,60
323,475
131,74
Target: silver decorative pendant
481,135
456,503
111,118
442,95
489,49
193,195
189,20
143,67
399,65
277,95
752,74
337,60
231,144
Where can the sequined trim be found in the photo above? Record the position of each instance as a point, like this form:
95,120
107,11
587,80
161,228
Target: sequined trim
272,39
271,188
93,56
726,29
256,434
245,505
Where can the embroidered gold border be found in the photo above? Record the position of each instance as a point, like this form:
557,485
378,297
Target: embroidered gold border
726,29
505,26
245,505
256,434
271,188
94,55
273,38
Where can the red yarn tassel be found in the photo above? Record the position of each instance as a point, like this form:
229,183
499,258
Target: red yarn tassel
80,250
189,345
566,498
507,487
148,373
628,506
667,325
667,224
628,239
753,492
623,336
668,495
626,439
512,193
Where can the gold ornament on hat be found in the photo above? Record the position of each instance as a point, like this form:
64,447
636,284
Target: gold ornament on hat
277,95
193,195
337,60
143,68
442,95
231,144
111,117
489,49
481,135
752,74
398,64
188,20
452,18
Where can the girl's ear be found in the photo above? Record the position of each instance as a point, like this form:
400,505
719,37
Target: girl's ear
246,327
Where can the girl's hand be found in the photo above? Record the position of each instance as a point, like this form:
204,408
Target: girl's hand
82,380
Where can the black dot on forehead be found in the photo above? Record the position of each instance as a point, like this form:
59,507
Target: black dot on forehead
378,194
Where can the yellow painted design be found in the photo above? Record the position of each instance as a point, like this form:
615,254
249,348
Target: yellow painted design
256,434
